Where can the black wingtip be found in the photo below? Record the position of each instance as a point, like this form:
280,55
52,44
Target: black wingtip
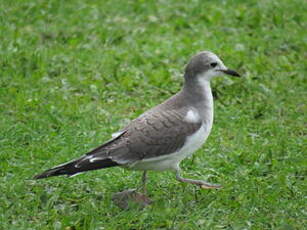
40,176
48,173
71,169
36,177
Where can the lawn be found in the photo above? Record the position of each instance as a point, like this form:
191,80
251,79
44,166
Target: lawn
73,72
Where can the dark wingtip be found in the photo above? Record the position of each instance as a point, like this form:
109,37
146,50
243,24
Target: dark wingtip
70,168
37,177
40,176
56,171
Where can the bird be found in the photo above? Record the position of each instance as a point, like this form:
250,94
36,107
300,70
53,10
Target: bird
160,138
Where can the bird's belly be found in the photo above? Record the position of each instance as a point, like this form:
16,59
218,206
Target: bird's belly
171,161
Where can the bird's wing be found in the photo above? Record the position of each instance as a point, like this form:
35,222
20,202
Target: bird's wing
151,135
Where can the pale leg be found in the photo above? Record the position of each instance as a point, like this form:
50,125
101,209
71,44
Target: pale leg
202,184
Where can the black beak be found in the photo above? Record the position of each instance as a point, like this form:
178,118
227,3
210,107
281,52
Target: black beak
231,72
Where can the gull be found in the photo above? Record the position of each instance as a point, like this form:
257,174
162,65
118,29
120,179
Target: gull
163,136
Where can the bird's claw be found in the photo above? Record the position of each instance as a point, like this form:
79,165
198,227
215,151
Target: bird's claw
210,186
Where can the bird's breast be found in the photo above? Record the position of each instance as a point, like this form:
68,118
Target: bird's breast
171,161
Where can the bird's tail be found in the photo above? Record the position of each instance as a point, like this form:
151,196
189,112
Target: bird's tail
85,163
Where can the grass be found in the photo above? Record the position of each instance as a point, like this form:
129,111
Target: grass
73,72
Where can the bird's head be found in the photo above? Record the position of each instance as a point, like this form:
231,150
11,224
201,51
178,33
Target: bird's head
206,65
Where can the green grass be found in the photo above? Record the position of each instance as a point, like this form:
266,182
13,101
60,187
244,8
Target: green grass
73,72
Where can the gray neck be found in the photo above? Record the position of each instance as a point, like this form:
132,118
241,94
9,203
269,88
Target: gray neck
197,92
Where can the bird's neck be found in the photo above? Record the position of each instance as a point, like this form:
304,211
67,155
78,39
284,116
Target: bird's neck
198,93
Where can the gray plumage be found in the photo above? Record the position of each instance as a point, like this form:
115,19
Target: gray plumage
161,131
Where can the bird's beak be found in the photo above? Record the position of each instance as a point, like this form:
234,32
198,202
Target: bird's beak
230,72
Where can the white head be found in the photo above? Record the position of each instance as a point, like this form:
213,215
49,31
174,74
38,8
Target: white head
206,65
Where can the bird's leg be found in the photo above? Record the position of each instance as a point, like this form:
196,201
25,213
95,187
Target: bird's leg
123,198
143,182
202,184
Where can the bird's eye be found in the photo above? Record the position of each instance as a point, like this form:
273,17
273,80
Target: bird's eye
213,64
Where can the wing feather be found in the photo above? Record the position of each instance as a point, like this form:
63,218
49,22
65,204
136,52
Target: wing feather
151,135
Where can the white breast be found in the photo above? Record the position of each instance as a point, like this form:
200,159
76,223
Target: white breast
192,142
171,161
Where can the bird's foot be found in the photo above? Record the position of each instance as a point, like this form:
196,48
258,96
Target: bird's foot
128,198
200,183
206,185
203,184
